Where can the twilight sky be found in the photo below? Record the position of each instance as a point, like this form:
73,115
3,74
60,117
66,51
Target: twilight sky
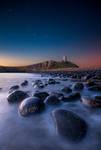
37,30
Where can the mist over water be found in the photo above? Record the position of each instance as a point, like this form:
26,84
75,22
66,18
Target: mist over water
38,132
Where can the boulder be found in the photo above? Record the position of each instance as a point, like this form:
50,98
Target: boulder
13,88
41,95
78,86
90,83
96,88
57,94
72,97
36,82
17,96
69,125
31,105
52,100
25,83
51,81
66,90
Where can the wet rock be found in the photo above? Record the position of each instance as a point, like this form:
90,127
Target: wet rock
31,105
25,83
69,125
57,94
36,82
17,96
52,100
41,85
91,101
57,82
66,90
96,88
13,88
78,86
72,97
41,95
51,81
90,83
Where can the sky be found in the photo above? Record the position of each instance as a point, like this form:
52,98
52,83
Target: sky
36,30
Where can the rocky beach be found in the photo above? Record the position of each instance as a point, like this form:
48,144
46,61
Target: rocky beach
50,110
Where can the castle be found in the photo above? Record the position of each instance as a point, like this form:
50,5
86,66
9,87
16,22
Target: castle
64,58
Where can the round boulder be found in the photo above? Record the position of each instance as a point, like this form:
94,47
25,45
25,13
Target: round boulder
78,86
25,83
72,97
57,94
69,125
52,100
17,96
31,105
41,95
13,88
51,81
66,90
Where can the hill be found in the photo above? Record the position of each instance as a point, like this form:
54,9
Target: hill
42,66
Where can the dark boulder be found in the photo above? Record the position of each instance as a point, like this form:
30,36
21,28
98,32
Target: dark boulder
78,86
36,82
69,125
17,96
41,95
96,88
31,105
13,88
25,83
57,94
66,90
52,100
51,81
72,97
90,83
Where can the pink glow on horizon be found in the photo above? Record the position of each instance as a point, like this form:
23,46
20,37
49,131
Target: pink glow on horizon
89,61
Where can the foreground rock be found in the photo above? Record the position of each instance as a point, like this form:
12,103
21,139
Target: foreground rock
72,97
69,125
94,101
41,95
52,100
17,96
31,105
78,86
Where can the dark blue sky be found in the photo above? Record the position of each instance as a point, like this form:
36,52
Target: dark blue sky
36,30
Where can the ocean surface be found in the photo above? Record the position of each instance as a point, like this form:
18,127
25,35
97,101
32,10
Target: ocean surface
38,132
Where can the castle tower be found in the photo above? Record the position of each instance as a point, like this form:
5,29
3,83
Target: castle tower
64,58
